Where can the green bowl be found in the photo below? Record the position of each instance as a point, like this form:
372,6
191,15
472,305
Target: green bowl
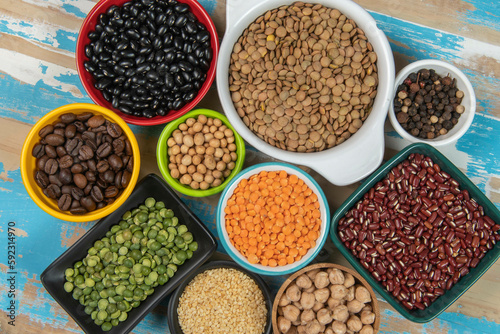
450,296
163,159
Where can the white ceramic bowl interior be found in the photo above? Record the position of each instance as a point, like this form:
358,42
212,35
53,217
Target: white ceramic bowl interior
469,101
258,268
362,153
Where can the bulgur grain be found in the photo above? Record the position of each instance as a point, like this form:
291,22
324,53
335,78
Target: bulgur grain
222,300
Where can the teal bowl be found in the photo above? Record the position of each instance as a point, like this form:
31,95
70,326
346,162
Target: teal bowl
466,281
163,158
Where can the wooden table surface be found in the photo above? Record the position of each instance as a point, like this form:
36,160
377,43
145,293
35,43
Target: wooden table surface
38,74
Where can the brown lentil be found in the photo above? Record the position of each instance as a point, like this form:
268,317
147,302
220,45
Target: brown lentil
202,152
222,300
308,60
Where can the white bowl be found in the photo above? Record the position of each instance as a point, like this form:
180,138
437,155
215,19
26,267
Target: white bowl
240,258
469,101
362,153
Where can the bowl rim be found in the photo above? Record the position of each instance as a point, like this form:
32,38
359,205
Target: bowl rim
450,296
465,119
216,264
33,137
96,95
162,155
237,256
326,265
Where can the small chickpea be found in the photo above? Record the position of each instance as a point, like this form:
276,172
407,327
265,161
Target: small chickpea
223,142
182,169
175,173
336,276
201,168
188,140
209,178
171,142
197,127
217,122
200,150
208,137
234,156
216,183
202,119
197,159
175,150
185,179
204,185
221,165
217,174
367,317
227,172
219,152
226,158
198,177
209,162
177,135
218,134
184,149
190,121
186,160
231,147
191,169
214,142
210,151
228,133
194,185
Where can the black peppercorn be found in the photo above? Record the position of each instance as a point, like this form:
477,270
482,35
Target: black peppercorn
428,105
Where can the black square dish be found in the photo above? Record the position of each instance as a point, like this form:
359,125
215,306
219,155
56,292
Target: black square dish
53,277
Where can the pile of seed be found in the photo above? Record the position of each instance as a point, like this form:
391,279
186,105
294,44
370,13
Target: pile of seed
202,152
222,300
428,105
303,77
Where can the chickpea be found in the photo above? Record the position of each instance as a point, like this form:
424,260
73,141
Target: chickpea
303,281
204,185
307,300
186,179
362,294
354,324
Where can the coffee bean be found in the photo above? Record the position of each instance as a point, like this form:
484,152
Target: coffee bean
65,161
76,169
38,150
91,177
54,139
118,179
65,176
126,176
102,166
66,189
41,179
88,203
115,162
114,130
85,116
111,192
80,127
50,151
55,180
96,121
96,194
104,150
52,191
51,166
118,146
85,153
61,151
68,118
78,211
64,202
70,131
76,193
40,162
46,130
88,189
109,176
80,180
71,144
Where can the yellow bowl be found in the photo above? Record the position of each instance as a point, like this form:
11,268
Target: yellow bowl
28,163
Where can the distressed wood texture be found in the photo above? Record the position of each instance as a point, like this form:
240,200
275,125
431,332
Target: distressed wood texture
38,74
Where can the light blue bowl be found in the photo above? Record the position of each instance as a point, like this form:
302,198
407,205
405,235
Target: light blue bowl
240,258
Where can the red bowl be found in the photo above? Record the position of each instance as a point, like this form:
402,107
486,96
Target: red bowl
88,81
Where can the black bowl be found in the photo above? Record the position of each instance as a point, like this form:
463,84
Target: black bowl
173,319
150,186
